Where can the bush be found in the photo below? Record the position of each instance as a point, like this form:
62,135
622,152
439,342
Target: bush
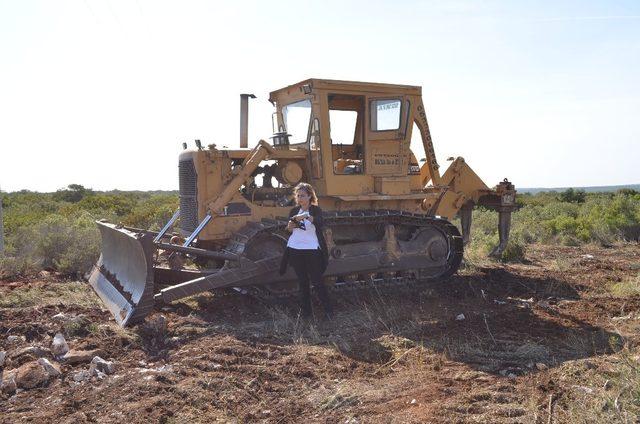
68,245
73,193
57,231
74,248
12,266
515,251
152,213
600,218
573,196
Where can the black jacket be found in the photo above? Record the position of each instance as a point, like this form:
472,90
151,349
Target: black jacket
316,213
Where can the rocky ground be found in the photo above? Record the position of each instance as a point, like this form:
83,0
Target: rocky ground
556,336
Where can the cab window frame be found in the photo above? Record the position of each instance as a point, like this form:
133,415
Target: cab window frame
373,109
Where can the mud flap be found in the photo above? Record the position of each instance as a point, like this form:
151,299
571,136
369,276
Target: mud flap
123,276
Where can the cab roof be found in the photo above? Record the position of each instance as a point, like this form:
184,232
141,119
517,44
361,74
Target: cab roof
339,86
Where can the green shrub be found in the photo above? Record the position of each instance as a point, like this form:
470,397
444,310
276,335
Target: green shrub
13,266
573,196
73,193
152,213
68,245
600,218
57,230
515,251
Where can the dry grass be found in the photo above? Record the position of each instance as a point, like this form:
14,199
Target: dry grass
605,390
68,293
629,286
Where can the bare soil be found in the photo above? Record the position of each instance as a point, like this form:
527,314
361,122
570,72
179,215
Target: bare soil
529,331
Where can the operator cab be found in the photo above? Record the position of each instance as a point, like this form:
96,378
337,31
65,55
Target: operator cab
358,134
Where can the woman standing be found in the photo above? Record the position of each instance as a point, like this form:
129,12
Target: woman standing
307,249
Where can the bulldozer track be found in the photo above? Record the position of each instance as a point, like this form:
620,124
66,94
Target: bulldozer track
404,279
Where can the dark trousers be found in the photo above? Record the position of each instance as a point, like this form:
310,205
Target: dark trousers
308,267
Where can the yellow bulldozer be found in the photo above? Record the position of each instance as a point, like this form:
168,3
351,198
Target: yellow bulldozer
387,212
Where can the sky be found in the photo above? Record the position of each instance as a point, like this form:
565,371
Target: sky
104,92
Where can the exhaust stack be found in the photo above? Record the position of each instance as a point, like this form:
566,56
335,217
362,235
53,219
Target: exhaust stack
244,119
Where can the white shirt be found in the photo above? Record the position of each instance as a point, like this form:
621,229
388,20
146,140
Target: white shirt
304,239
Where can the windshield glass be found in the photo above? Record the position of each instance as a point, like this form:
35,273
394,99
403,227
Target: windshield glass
296,118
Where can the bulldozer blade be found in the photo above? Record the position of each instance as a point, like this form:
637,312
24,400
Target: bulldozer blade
123,276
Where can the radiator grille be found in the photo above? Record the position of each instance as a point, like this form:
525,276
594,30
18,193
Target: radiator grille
188,195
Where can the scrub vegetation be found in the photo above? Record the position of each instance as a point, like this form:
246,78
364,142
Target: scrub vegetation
56,232
568,218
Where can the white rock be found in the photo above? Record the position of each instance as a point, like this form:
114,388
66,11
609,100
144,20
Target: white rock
15,339
59,346
51,369
99,364
61,316
413,401
162,369
81,376
460,317
587,256
584,389
3,357
622,318
98,374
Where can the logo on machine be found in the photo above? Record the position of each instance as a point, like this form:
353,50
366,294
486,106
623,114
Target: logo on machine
386,159
414,169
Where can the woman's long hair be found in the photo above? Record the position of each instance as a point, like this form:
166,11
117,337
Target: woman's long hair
310,191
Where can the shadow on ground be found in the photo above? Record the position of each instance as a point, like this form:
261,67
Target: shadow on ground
511,323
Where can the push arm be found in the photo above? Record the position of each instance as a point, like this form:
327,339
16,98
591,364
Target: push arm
250,164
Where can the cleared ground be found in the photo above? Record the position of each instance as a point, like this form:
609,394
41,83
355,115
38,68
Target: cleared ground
557,335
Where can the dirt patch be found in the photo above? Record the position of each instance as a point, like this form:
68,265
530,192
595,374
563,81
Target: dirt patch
530,332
